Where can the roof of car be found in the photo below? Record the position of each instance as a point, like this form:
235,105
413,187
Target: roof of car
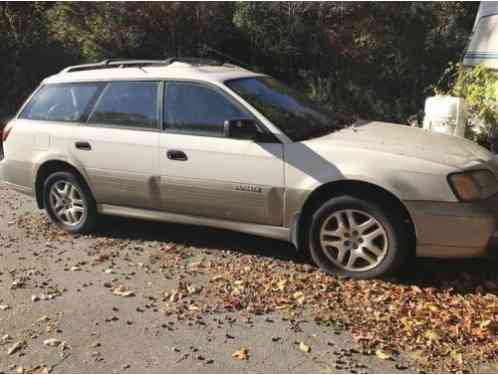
150,69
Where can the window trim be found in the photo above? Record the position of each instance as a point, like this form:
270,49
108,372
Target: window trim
221,91
279,137
107,84
100,86
25,104
200,84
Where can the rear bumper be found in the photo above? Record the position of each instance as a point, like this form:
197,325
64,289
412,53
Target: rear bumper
455,229
14,177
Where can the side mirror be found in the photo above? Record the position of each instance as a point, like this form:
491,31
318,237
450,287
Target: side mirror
247,129
241,129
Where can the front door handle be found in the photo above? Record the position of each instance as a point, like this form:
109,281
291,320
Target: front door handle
83,146
176,155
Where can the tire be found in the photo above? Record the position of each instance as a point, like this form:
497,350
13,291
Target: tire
74,209
375,245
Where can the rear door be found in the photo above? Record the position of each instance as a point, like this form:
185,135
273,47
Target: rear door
46,125
203,173
118,146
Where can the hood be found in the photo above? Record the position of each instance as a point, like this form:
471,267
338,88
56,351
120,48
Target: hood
406,141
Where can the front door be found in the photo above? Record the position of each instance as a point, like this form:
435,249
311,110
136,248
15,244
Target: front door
119,144
203,173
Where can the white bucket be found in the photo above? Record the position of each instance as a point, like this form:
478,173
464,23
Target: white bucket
445,114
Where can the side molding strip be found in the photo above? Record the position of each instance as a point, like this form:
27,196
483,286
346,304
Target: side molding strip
20,189
278,233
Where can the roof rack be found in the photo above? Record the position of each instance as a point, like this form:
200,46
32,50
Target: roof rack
112,63
122,63
194,61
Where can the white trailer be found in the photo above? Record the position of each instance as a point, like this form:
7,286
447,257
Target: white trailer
483,46
446,114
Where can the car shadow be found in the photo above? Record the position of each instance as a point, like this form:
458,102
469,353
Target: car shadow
462,276
196,236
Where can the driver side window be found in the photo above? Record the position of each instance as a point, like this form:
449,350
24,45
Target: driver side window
192,108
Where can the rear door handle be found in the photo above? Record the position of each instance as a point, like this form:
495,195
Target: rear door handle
176,155
83,146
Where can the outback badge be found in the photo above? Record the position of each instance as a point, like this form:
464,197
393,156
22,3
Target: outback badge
249,188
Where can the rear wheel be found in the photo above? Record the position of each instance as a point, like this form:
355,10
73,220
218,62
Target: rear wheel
69,203
356,238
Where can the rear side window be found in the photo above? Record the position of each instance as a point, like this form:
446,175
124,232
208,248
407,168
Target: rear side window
61,102
195,109
129,104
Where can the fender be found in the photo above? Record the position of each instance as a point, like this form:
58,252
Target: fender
45,158
295,198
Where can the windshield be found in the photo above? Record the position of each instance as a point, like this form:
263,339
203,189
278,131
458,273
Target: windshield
293,113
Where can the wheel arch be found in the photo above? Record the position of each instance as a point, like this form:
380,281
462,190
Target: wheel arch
51,166
356,188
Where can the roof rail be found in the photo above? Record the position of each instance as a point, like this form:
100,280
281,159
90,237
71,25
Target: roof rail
194,61
112,63
122,63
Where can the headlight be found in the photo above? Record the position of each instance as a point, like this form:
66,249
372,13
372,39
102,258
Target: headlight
473,185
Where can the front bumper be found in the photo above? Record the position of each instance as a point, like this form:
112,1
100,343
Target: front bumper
455,229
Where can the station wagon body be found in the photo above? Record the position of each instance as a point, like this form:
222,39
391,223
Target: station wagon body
218,145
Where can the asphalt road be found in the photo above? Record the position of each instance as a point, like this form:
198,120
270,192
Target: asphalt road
59,287
102,303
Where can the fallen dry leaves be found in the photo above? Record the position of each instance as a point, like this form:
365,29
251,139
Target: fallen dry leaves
122,291
242,354
382,354
16,347
304,348
450,325
445,318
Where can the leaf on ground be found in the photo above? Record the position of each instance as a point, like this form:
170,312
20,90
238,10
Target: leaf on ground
382,355
457,357
299,297
242,354
281,284
122,291
304,348
432,335
52,342
194,289
485,323
14,348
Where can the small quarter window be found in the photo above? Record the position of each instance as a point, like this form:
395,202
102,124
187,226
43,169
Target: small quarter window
61,102
194,109
130,104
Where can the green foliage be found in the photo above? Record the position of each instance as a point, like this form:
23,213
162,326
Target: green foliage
368,59
479,87
94,31
27,52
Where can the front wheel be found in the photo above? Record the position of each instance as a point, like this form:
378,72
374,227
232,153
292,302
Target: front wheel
355,238
69,203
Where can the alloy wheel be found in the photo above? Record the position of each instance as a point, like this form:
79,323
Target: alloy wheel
353,240
67,203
